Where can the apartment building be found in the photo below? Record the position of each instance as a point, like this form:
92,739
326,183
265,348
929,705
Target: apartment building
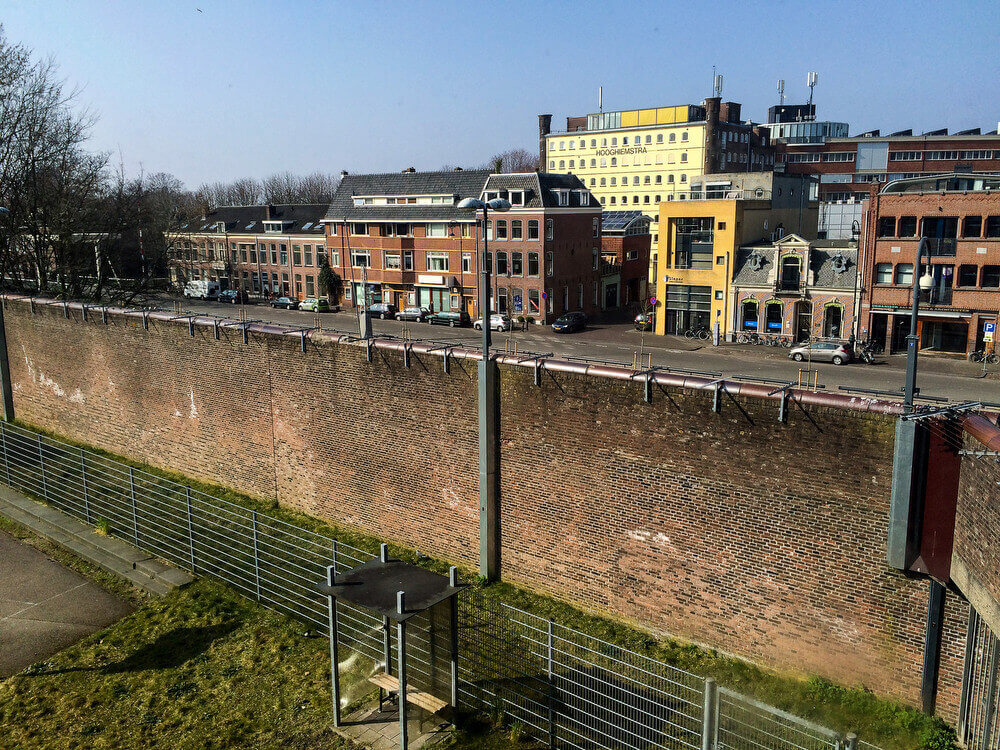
960,215
401,239
701,236
636,159
270,250
625,242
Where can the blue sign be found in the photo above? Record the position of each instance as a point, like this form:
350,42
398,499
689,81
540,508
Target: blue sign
750,324
517,303
773,326
989,327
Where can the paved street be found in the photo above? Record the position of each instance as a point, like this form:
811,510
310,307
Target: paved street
619,342
45,607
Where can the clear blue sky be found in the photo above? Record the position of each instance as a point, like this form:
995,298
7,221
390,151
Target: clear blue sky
249,88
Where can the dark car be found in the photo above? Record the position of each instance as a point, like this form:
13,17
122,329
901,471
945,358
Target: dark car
644,322
570,322
452,319
382,310
286,302
233,297
418,314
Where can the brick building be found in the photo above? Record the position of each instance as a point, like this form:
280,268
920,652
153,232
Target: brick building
262,250
625,243
405,237
960,214
796,288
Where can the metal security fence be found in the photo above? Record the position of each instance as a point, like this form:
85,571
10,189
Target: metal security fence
565,688
979,711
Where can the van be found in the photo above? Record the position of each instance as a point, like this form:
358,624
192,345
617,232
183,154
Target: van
202,289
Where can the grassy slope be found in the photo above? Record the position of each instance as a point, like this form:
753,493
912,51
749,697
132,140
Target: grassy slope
886,723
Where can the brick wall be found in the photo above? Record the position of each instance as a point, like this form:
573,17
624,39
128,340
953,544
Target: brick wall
760,539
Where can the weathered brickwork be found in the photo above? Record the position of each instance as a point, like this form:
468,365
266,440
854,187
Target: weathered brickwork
760,539
977,522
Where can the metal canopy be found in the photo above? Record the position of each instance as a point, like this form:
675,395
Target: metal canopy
374,584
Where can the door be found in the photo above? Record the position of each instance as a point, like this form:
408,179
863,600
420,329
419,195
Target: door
832,317
803,321
611,296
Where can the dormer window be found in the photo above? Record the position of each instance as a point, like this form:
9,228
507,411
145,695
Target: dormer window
364,201
562,197
517,197
492,195
274,227
584,198
220,227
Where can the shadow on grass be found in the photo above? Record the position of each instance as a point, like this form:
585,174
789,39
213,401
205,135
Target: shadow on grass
170,650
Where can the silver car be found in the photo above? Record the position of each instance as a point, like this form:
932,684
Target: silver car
498,322
838,352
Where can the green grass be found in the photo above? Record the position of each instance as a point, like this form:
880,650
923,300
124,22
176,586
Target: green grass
882,722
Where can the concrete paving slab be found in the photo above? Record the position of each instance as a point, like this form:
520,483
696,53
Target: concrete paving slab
45,607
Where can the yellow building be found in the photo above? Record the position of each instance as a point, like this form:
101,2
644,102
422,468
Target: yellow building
636,159
700,237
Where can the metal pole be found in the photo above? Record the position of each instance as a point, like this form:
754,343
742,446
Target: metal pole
135,515
453,581
932,647
551,696
187,495
331,610
401,653
6,461
709,717
6,389
968,667
910,386
41,464
383,555
488,500
86,489
256,553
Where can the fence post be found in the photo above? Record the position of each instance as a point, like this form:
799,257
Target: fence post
256,556
135,515
41,464
710,716
6,461
851,741
552,697
86,490
187,495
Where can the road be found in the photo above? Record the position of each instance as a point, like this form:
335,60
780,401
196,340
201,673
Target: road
620,343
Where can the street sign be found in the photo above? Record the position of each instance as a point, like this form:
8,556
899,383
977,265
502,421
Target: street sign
652,300
989,329
545,295
517,303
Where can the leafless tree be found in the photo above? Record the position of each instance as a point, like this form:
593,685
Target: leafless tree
513,160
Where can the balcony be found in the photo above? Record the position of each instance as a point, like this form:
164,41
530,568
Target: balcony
739,194
789,286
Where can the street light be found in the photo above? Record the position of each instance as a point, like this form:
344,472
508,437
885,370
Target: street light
489,550
924,283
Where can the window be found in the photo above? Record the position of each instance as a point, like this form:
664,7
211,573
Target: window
659,179
684,178
839,156
359,229
565,298
253,256
941,155
904,274
614,161
438,229
579,290
516,229
284,255
360,259
597,226
749,315
572,163
310,286
593,163
593,143
407,260
645,180
532,229
320,255
466,262
533,264
670,178
883,273
533,306
684,136
562,164
991,277
968,275
972,226
684,156
502,269
501,229
887,226
517,196
993,227
659,137
907,226
392,262
550,229
695,243
296,255
549,269
437,261
673,137
516,264
905,156
334,258
243,253
596,258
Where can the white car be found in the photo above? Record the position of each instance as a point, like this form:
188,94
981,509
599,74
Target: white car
498,322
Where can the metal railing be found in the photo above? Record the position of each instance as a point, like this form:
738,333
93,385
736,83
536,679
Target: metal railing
564,687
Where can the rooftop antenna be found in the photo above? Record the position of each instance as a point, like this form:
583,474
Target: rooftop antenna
811,83
718,85
600,99
781,92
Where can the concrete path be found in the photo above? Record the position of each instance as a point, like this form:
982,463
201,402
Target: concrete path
45,607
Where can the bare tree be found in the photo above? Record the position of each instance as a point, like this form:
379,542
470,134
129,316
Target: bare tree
513,160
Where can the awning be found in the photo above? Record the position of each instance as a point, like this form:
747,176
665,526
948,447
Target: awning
941,314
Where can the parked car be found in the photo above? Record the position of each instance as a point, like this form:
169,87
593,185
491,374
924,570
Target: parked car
418,314
838,352
570,322
315,304
286,302
644,322
233,297
452,319
202,289
498,322
383,310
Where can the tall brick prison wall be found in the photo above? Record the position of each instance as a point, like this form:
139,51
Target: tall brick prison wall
761,539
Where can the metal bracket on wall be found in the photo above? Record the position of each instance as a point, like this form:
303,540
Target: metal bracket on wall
647,384
104,314
303,333
369,349
406,354
66,310
945,411
190,320
145,320
445,351
718,386
538,364
980,454
215,326
783,404
84,309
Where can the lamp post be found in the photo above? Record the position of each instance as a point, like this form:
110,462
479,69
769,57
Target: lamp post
489,416
924,283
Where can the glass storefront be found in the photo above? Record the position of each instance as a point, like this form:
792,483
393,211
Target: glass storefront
687,307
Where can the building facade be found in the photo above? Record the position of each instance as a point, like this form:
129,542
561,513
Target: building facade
702,234
401,239
796,288
847,167
960,215
636,159
265,251
625,242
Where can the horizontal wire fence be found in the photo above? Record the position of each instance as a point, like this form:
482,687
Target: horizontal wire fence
563,687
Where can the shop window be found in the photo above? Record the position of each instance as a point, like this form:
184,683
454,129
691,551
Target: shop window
972,226
968,275
773,313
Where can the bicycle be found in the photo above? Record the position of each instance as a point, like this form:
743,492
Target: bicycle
747,337
989,358
697,333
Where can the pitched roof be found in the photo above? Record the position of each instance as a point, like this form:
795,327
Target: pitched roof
461,184
821,264
615,222
300,218
538,188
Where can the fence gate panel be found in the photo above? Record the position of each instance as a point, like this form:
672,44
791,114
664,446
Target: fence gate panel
978,725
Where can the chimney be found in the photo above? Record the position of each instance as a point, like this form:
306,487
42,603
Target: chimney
409,170
269,211
457,169
343,174
544,128
729,111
